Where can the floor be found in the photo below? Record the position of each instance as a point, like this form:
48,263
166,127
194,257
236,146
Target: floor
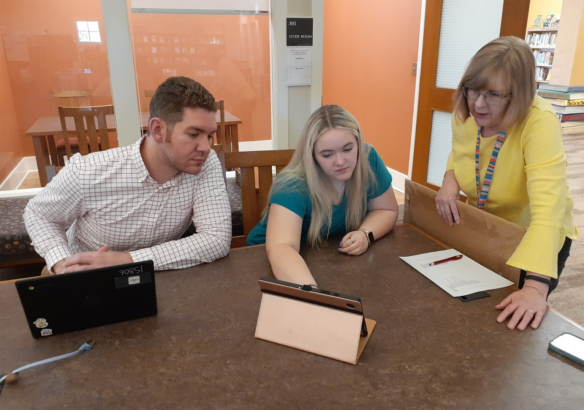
568,297
31,181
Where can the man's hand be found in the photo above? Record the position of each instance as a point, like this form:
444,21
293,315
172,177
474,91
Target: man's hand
92,260
58,267
526,305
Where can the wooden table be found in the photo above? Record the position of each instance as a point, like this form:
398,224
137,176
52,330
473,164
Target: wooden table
45,129
429,350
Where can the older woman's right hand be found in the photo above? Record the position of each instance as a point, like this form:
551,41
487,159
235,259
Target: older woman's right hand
446,198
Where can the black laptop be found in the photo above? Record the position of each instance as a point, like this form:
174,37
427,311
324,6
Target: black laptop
75,301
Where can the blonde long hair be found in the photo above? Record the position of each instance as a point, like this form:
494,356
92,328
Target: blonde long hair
303,168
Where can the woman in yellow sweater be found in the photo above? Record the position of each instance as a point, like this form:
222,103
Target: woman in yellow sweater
508,158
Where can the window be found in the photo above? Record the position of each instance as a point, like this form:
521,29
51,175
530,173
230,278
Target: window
88,31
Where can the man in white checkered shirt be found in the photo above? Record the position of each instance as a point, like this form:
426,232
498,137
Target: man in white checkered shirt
133,203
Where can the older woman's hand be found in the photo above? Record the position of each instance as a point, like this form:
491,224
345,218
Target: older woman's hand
526,305
446,198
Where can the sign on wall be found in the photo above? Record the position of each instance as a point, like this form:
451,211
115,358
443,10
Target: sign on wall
299,53
298,31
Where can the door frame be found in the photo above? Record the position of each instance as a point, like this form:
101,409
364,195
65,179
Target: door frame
432,98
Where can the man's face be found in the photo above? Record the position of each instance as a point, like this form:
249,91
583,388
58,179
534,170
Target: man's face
188,145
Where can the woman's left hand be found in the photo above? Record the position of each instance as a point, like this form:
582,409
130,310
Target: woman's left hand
526,305
354,243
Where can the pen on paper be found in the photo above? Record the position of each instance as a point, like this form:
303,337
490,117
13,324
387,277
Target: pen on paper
453,258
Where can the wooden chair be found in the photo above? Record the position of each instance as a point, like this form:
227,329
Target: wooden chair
72,98
90,128
220,136
145,99
256,180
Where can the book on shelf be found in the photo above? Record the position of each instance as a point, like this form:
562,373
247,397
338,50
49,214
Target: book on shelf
575,109
543,57
548,20
571,124
537,22
541,73
553,38
563,88
559,95
570,117
541,40
556,21
572,127
565,103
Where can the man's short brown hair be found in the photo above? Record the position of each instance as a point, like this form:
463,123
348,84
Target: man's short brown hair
176,94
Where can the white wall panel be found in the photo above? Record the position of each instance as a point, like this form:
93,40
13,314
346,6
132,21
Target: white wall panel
466,26
440,146
228,6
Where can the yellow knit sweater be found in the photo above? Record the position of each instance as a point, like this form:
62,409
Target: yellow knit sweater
529,185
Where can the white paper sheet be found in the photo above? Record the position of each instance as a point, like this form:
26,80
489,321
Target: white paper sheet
458,278
299,66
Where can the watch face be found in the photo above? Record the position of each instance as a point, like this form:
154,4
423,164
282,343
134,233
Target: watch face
371,238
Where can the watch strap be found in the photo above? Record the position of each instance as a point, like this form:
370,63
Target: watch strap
369,236
539,279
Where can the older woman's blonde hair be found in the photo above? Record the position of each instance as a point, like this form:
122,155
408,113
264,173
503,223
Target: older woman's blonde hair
304,170
511,57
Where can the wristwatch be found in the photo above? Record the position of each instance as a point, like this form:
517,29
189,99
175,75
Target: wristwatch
369,234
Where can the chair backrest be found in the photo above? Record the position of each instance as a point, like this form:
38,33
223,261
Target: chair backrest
483,237
72,98
256,181
85,120
220,136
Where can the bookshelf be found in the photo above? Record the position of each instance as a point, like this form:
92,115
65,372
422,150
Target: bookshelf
542,41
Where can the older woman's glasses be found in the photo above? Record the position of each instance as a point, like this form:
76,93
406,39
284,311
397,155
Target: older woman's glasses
490,97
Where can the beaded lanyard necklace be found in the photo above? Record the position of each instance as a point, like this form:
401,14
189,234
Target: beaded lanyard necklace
484,192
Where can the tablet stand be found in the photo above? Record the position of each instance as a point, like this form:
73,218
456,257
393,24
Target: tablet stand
317,329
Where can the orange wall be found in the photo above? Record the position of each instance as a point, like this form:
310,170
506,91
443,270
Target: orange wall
369,48
10,147
43,54
228,54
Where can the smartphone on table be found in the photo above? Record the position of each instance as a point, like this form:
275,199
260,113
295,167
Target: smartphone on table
569,346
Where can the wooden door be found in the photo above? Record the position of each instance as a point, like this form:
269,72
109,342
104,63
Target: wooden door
432,98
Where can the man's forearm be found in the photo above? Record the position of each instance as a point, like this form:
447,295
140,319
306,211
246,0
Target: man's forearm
186,252
48,238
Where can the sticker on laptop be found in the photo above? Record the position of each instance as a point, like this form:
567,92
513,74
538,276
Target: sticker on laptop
133,280
40,323
46,332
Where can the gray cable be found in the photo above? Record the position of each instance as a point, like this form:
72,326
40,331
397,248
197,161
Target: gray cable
84,347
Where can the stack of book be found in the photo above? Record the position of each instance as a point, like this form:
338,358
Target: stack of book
568,103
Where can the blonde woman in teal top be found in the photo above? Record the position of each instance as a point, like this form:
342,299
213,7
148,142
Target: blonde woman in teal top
334,184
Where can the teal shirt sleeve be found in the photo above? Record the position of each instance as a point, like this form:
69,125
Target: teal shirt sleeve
297,201
382,176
